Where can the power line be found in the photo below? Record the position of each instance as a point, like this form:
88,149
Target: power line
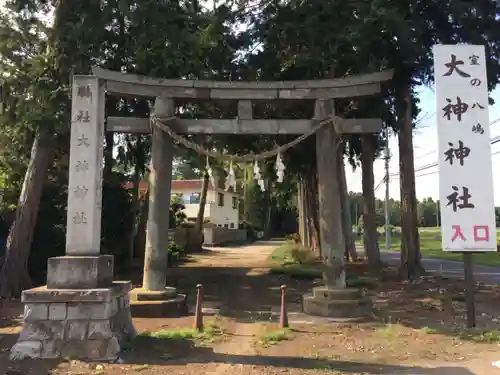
421,168
434,172
493,140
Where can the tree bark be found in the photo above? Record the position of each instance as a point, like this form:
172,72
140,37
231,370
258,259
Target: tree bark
350,248
411,266
305,238
136,180
312,213
370,242
108,155
198,227
267,210
14,277
140,236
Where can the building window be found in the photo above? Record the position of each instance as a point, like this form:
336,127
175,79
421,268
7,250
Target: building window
235,203
226,226
220,199
231,225
194,198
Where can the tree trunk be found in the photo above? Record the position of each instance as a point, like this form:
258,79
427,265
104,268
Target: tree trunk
411,266
136,180
108,156
247,194
267,210
305,238
350,248
198,227
370,242
14,277
311,197
140,236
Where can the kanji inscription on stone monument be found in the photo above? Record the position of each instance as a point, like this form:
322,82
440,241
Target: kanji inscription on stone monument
85,174
465,167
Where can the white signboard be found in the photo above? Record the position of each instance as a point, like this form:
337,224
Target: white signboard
465,167
83,235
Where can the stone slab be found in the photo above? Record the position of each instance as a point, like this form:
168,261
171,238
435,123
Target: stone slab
173,307
80,272
324,292
361,307
141,294
45,295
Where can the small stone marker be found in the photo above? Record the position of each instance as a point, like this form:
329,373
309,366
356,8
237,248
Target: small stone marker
284,314
198,316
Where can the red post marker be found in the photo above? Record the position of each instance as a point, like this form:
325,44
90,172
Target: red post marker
283,315
198,316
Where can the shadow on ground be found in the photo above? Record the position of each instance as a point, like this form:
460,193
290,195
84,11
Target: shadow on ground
184,351
24,367
249,294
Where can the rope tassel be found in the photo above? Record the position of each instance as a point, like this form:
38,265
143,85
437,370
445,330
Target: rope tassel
231,178
210,173
280,168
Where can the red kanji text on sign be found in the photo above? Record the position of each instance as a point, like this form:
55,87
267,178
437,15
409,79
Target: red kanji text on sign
481,233
458,233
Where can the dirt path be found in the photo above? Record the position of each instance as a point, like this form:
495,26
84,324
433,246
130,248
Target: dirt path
243,299
238,264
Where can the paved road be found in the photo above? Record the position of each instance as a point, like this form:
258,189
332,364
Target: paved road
450,268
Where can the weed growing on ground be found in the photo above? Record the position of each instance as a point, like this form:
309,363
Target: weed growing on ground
269,338
209,333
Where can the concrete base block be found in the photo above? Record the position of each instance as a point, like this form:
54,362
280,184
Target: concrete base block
140,294
157,304
80,272
337,303
92,324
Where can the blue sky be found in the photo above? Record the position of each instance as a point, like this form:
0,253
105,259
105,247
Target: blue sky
425,152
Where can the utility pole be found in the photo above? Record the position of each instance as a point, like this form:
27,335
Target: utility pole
437,213
387,156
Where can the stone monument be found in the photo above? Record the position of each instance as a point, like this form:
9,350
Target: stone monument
81,312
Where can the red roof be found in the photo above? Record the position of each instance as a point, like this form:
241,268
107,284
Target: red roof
176,185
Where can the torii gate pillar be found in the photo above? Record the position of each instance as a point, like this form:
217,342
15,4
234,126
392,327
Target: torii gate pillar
155,299
333,299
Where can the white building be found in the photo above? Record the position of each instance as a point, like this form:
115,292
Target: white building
221,209
222,206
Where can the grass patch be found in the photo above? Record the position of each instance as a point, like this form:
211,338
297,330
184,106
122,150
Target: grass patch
430,331
488,337
297,271
430,246
209,333
327,369
296,261
390,332
140,368
273,337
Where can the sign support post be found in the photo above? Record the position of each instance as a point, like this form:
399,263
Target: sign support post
467,206
470,302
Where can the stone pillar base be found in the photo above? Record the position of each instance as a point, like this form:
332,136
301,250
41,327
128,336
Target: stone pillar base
157,304
337,303
86,324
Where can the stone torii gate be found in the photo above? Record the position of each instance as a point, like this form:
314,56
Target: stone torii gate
82,312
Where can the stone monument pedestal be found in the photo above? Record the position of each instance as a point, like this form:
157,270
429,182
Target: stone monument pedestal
337,303
81,313
87,324
157,304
